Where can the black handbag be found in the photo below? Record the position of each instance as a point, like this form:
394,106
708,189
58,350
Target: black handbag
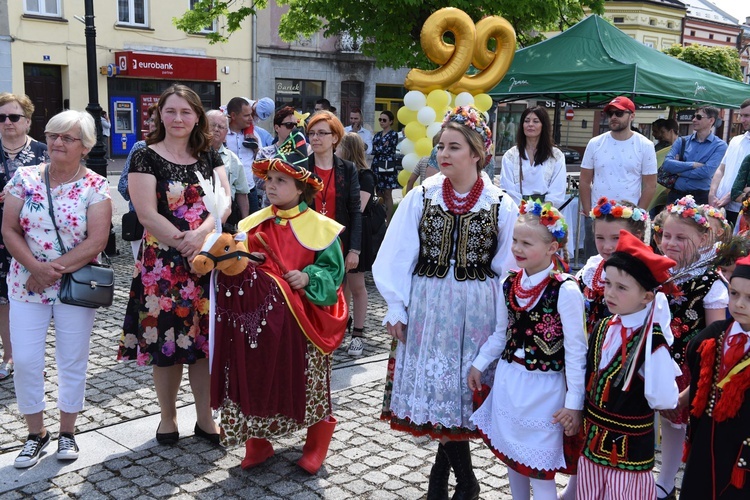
665,178
93,285
132,230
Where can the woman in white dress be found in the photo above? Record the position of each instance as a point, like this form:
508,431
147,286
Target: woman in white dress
534,167
452,236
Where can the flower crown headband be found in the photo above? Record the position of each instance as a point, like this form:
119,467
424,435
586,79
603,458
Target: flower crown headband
549,216
716,213
606,207
471,117
686,208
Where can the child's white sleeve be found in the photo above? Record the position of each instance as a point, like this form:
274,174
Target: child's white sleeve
493,348
660,386
571,309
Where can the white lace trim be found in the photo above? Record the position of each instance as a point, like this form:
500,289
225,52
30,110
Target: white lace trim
394,316
587,273
491,194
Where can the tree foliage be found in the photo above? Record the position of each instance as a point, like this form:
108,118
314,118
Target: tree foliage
390,29
720,60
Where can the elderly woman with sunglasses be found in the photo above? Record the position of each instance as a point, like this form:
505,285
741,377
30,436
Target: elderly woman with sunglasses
19,150
82,210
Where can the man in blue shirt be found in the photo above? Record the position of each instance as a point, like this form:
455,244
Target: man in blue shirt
695,158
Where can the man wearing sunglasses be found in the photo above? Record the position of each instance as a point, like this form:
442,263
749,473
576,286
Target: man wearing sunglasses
619,164
720,193
695,158
355,120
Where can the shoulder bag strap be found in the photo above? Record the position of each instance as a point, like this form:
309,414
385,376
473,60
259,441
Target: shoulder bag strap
520,174
682,149
51,210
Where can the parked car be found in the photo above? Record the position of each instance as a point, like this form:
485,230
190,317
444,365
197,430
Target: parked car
571,155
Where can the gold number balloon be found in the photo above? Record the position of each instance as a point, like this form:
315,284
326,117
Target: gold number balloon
492,64
454,59
470,48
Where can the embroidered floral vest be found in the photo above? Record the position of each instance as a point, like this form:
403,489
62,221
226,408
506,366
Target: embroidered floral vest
469,239
538,330
688,313
618,425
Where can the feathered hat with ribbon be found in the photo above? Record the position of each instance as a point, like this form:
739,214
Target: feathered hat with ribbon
290,159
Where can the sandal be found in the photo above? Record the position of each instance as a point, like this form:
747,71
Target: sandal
6,369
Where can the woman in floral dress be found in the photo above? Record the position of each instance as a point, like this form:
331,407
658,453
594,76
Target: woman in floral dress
452,236
166,322
383,161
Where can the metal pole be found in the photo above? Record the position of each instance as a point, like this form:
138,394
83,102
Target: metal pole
95,160
556,121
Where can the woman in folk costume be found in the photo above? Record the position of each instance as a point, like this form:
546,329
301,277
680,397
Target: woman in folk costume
278,322
630,373
718,437
439,271
540,339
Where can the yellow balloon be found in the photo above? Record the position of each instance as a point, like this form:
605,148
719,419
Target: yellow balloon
423,147
438,99
415,131
483,102
403,177
406,115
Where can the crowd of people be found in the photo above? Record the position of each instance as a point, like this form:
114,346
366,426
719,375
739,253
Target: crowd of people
492,337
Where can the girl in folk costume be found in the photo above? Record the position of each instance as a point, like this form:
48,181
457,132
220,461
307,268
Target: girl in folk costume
629,373
540,335
452,236
277,323
687,239
609,218
718,439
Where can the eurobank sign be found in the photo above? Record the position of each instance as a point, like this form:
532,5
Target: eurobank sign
169,66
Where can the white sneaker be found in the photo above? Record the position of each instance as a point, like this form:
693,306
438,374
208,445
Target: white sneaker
356,347
67,449
31,450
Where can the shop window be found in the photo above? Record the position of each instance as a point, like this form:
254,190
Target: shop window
49,8
692,32
652,22
711,36
619,20
206,29
299,94
670,24
132,12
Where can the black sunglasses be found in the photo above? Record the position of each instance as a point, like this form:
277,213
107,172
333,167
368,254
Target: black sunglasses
13,117
619,113
382,119
288,125
697,116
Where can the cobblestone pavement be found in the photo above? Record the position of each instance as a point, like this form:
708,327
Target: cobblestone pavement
366,459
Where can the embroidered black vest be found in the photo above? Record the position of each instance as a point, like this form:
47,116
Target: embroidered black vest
472,251
618,426
688,313
538,330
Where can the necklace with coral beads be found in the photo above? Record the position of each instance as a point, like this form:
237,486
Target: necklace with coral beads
597,284
531,294
461,205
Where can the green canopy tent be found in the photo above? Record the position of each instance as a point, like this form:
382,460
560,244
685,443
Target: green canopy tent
593,61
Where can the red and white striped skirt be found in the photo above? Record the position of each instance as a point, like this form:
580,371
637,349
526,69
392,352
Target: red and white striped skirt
596,482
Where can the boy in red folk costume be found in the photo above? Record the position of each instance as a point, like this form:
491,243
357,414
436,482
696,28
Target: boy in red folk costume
718,438
277,323
630,373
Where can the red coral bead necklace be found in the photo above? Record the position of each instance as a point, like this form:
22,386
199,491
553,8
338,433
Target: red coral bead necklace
460,205
532,294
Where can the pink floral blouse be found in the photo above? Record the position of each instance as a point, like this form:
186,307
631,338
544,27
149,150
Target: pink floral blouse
71,202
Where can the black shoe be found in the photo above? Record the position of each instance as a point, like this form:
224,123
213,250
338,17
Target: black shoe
213,438
33,447
67,449
440,473
467,486
672,495
169,438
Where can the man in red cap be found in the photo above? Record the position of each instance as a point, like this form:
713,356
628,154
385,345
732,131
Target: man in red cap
619,164
718,439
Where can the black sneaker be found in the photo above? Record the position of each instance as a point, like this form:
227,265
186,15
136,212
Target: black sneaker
31,450
67,449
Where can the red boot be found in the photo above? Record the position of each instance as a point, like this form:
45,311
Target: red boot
316,446
257,451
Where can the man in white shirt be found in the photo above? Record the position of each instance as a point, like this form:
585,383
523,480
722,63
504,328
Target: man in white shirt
245,146
619,164
721,183
355,119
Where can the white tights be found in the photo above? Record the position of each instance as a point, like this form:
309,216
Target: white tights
672,441
520,487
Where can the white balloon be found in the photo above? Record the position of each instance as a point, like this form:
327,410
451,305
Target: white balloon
415,100
464,99
410,162
426,115
433,128
406,146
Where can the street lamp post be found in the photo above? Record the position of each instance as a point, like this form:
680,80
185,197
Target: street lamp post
95,160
